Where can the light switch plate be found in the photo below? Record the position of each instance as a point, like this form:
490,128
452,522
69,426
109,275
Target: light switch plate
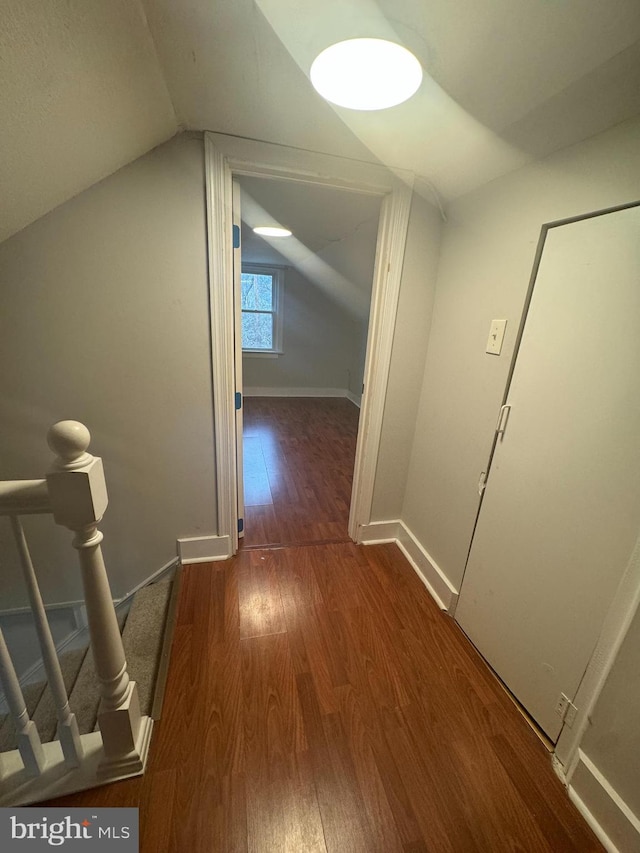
496,336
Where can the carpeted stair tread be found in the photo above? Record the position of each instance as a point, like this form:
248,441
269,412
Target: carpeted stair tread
32,694
45,716
142,638
84,698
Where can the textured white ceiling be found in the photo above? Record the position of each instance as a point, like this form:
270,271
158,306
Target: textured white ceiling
88,85
81,94
506,81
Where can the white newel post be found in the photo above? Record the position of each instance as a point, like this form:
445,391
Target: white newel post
78,495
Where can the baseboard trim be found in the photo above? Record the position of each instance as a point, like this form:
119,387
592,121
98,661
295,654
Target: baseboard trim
167,569
204,549
61,605
616,826
439,587
356,399
299,392
379,532
167,642
78,607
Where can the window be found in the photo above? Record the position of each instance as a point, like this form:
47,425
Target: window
261,305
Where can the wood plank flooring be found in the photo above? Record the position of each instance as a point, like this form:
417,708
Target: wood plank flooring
299,455
318,700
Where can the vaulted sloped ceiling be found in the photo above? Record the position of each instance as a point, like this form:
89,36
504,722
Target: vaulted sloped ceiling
81,94
88,85
506,80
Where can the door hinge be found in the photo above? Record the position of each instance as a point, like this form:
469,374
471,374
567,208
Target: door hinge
482,482
566,710
240,525
503,417
236,236
238,400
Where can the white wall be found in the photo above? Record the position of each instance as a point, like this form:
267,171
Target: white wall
411,336
317,342
105,320
82,94
486,259
323,341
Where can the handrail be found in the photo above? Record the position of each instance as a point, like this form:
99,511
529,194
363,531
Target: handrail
24,497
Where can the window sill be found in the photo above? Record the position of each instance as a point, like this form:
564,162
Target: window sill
249,353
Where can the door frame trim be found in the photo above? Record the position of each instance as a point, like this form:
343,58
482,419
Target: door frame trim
226,156
621,613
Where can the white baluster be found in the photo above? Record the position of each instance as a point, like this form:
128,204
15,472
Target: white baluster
67,724
28,737
78,495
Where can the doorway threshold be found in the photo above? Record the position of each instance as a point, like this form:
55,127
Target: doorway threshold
278,546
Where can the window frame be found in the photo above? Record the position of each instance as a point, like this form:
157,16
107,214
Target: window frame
277,277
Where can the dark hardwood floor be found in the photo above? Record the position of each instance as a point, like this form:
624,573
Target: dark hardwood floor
299,455
318,701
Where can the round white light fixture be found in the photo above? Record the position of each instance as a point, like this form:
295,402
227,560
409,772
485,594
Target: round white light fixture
366,74
272,231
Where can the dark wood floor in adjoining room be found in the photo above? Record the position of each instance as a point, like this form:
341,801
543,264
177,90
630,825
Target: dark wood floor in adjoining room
299,455
318,701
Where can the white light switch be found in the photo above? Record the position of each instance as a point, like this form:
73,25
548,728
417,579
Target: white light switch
496,336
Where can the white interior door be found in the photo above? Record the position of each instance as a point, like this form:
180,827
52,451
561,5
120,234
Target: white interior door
237,296
561,510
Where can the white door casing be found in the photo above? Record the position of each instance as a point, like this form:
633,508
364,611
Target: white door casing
237,290
561,512
228,155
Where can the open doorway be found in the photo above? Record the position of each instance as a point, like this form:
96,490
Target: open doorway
302,307
227,157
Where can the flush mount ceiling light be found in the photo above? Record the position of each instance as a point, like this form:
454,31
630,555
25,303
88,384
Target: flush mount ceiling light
272,231
366,74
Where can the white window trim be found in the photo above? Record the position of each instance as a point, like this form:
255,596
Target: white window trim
277,274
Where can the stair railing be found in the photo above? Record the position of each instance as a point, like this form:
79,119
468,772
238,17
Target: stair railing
78,494
75,493
29,744
67,725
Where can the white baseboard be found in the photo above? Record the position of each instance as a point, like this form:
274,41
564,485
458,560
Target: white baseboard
26,610
379,532
356,399
299,392
616,826
439,587
204,549
167,569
